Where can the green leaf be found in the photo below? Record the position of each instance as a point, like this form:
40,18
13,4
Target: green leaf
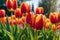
9,34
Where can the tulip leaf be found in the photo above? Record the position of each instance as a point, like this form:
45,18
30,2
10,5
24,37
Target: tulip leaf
9,34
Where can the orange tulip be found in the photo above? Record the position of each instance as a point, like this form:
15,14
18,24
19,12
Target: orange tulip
39,10
11,5
20,21
53,17
2,13
14,22
3,20
39,22
58,27
25,7
47,23
23,18
13,17
54,27
18,13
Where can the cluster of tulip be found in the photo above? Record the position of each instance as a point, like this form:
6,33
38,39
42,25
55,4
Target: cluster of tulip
23,14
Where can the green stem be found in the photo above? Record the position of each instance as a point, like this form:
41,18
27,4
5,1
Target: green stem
36,35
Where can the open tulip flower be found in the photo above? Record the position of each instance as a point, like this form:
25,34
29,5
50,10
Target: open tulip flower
11,5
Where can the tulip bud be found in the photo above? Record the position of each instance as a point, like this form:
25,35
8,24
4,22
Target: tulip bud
11,5
25,7
47,23
39,10
13,22
39,22
18,13
3,20
53,17
2,13
54,27
29,18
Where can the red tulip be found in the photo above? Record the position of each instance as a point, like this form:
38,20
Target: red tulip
25,7
2,13
39,10
33,21
39,23
18,13
53,17
29,18
11,5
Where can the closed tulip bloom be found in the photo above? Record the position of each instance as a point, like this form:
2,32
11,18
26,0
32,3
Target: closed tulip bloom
25,7
11,5
53,17
3,20
29,18
47,23
23,18
33,21
58,27
2,13
39,23
39,10
13,17
18,13
54,27
14,22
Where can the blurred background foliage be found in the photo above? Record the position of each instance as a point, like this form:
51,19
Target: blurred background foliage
48,5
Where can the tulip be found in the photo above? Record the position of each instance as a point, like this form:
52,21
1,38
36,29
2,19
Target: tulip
18,13
2,14
11,5
3,20
25,7
58,27
13,22
13,17
54,27
53,17
39,22
23,18
47,23
20,22
29,18
39,10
